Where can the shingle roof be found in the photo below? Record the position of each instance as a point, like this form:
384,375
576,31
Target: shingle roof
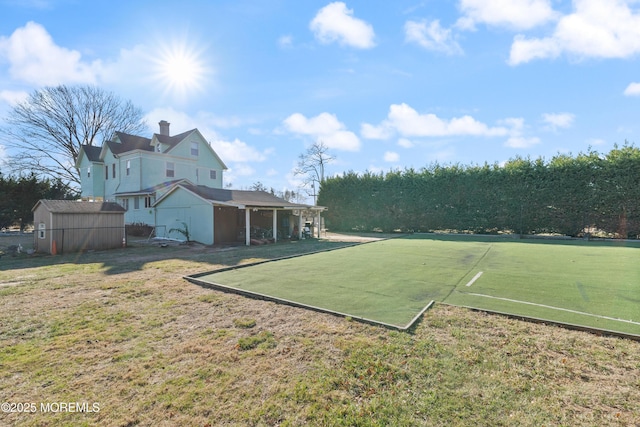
150,190
241,197
172,140
92,152
73,206
129,143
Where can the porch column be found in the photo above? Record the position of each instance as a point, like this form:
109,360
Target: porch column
247,226
300,225
319,224
275,225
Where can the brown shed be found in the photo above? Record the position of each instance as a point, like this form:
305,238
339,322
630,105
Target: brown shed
71,226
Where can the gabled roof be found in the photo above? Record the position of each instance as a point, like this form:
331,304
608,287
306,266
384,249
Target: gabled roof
73,206
174,140
238,198
126,143
91,152
129,143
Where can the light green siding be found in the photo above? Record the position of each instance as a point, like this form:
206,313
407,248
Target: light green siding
181,207
91,182
133,174
111,184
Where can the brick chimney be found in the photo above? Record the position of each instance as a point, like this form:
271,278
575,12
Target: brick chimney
164,127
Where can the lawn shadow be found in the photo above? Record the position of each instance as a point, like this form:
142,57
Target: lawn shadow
136,256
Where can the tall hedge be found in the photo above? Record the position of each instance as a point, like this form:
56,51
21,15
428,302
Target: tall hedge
570,195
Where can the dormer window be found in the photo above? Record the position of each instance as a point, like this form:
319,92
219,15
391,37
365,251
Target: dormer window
194,149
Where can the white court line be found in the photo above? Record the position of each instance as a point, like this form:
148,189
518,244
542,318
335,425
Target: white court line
476,277
557,308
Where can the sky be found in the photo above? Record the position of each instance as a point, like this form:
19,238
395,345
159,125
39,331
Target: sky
386,85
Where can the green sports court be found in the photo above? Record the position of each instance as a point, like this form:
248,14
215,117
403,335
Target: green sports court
576,282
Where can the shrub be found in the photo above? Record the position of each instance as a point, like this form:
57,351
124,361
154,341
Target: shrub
139,229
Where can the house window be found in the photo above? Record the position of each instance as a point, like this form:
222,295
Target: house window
194,148
136,202
89,172
196,174
171,170
212,174
106,173
128,167
113,170
125,204
147,201
42,228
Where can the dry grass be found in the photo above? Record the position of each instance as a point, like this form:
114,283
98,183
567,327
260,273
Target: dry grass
123,329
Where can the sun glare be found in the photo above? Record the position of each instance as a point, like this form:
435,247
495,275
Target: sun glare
181,70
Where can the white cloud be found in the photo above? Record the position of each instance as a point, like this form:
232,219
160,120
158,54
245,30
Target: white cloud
431,36
596,141
517,139
13,97
34,58
516,14
325,127
391,157
238,151
407,122
241,169
180,122
286,41
229,151
3,156
633,89
524,50
558,120
369,131
406,143
595,29
335,22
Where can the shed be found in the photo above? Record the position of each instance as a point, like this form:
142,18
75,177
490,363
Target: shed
71,226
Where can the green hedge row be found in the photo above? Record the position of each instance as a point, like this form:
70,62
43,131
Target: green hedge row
566,195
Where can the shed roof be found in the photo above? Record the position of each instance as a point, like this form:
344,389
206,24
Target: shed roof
240,198
73,206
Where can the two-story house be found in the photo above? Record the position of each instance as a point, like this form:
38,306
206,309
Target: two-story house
170,182
134,171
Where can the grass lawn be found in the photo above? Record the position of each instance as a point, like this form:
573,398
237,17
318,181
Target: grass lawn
124,330
594,284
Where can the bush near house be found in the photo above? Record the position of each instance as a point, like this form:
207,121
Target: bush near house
139,229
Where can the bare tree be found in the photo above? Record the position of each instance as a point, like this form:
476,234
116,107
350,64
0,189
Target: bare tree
311,165
47,130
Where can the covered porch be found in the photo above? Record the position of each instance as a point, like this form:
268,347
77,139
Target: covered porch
218,216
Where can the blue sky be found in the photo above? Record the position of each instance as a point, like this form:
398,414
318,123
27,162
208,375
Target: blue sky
385,85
